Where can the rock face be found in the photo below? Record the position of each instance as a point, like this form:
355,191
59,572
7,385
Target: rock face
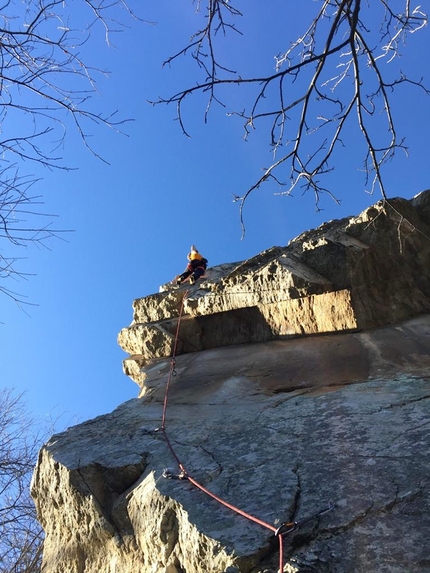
352,274
274,423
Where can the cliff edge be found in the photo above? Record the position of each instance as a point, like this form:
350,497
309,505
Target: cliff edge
271,421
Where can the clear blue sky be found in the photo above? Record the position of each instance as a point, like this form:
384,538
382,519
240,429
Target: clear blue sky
135,219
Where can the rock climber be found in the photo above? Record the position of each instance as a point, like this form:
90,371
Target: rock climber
196,267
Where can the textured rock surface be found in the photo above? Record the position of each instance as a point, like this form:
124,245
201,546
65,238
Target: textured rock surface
278,429
352,274
278,425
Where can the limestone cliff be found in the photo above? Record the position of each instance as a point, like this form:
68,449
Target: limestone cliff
272,421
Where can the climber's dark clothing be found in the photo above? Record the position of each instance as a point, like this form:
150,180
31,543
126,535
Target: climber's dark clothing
195,269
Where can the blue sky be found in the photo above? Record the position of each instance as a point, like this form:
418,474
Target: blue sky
134,220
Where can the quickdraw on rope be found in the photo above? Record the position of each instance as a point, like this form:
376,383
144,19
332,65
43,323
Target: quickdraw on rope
285,527
290,526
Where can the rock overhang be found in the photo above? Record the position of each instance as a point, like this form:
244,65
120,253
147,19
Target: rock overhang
350,274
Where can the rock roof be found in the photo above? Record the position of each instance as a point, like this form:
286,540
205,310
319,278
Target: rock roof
347,275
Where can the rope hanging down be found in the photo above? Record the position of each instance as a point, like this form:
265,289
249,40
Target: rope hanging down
284,528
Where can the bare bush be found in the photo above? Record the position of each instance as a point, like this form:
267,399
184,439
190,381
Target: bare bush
21,536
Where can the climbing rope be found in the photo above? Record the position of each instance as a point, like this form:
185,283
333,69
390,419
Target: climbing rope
284,528
172,371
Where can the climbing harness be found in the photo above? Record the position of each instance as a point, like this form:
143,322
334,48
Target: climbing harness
288,527
168,473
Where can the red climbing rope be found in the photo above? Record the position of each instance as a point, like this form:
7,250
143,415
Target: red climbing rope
184,474
172,371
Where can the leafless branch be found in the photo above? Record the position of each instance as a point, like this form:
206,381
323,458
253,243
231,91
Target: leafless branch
345,73
46,89
21,536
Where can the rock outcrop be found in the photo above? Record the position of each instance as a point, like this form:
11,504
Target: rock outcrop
274,422
352,274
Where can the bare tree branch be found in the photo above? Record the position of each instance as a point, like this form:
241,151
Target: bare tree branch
21,536
46,88
344,61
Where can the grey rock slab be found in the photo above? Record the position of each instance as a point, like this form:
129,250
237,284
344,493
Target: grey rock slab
275,456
